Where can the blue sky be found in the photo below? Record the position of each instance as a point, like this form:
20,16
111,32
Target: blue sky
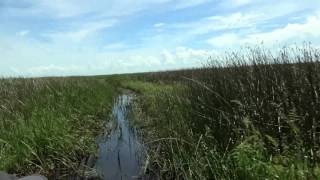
88,37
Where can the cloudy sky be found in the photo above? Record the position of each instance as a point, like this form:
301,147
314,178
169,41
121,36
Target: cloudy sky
86,37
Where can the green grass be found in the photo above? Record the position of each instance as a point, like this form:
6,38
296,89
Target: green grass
51,123
177,151
255,117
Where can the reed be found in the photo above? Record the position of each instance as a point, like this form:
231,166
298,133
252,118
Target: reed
252,114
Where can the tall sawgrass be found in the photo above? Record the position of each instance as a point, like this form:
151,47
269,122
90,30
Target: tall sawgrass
49,125
277,94
252,114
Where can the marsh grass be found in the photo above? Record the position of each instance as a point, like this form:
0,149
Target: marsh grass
252,114
50,124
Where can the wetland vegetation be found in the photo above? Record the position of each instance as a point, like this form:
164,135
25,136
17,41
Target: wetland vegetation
252,114
50,124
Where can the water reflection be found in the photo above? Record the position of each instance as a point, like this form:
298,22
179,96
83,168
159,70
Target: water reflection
121,154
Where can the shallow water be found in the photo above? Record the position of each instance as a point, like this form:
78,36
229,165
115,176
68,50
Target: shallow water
121,154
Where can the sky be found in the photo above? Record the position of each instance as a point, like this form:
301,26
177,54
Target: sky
91,37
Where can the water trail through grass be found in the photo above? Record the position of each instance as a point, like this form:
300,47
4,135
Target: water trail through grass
121,154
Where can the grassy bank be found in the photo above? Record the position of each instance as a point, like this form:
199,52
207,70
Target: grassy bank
51,123
254,117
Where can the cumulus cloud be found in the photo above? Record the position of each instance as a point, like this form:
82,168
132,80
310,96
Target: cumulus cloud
27,59
307,31
167,57
180,57
186,57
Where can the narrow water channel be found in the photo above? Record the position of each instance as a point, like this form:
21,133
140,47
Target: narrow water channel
121,154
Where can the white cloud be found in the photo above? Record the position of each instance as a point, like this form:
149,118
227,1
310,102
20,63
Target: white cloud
291,33
256,15
180,57
179,33
273,7
159,25
54,68
109,8
180,4
47,59
167,57
81,32
186,57
224,40
308,31
233,21
114,46
189,54
63,8
176,34
241,2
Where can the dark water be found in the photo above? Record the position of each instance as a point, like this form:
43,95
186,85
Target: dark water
121,154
